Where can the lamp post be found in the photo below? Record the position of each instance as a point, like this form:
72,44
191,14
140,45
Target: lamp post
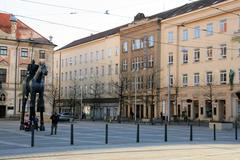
169,93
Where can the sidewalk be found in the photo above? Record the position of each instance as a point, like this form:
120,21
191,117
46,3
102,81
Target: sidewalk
137,152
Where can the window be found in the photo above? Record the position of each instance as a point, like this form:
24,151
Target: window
75,60
91,72
196,55
102,70
56,76
209,78
91,56
170,37
86,58
133,63
80,74
223,77
109,69
117,51
185,80
62,76
125,47
197,32
3,75
66,62
62,63
137,44
70,75
151,41
223,26
56,64
209,29
80,59
171,80
209,53
223,49
97,56
138,63
124,64
150,61
70,61
97,72
42,54
103,54
185,56
86,72
196,79
109,52
150,82
170,58
75,74
24,52
23,75
66,76
116,68
3,50
185,35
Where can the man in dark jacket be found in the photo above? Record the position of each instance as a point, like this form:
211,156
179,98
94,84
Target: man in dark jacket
54,119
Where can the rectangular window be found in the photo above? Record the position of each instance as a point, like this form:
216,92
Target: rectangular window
3,75
103,54
86,73
223,49
97,71
196,79
197,32
75,75
23,75
62,76
42,54
109,69
86,58
80,74
209,53
117,51
137,44
209,29
116,68
196,55
170,58
223,77
102,70
223,26
24,52
185,80
3,50
170,37
91,56
70,75
75,60
56,64
150,61
80,59
91,72
124,64
150,82
185,35
185,56
66,62
97,56
151,41
70,61
125,47
209,78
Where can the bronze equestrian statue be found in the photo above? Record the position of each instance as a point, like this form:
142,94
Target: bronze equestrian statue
33,84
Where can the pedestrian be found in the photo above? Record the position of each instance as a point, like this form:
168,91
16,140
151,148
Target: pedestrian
55,120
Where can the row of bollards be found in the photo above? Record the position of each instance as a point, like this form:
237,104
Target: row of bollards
137,134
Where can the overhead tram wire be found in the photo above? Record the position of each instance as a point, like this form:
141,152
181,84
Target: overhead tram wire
90,30
72,8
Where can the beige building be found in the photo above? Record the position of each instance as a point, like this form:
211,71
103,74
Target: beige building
199,53
19,44
87,73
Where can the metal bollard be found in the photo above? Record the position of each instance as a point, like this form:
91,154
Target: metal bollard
71,134
106,134
165,136
236,133
191,136
32,136
137,138
214,132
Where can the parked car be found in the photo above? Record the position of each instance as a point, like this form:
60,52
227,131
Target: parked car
66,116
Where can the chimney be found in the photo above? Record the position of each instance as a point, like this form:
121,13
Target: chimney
13,21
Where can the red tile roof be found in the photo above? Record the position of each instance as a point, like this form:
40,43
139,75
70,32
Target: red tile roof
23,32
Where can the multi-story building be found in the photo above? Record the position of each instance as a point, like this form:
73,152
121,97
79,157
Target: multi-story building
87,73
200,60
19,44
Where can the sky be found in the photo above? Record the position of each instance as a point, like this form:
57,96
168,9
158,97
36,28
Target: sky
69,20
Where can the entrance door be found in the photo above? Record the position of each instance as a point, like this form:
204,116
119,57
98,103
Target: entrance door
196,109
2,111
222,110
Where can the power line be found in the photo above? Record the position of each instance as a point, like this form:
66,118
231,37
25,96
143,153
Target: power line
72,8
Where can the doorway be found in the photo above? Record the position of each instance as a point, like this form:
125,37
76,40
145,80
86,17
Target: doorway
2,111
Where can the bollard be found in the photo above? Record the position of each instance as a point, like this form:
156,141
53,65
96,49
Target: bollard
71,134
165,137
236,134
32,136
191,136
137,138
106,134
214,132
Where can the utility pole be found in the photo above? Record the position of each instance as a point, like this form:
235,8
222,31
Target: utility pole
169,93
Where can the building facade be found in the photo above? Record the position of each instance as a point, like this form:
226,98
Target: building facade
201,61
87,73
19,44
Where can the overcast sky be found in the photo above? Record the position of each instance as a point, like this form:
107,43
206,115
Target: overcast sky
84,16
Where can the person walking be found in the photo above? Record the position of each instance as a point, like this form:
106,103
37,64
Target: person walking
55,120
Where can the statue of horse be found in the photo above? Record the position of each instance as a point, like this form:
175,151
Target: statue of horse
33,84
